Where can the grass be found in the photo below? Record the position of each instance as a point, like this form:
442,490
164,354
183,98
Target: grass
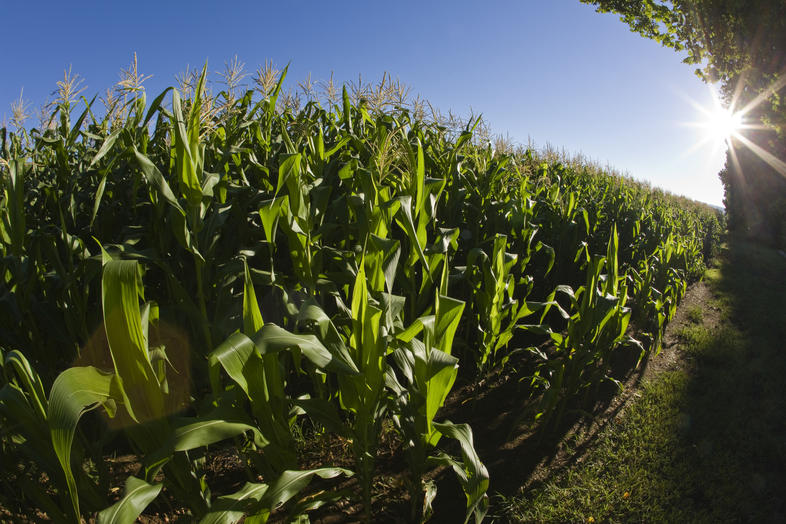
703,443
695,314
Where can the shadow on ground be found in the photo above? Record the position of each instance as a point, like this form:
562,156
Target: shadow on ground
735,400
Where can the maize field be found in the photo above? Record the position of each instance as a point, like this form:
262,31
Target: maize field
205,272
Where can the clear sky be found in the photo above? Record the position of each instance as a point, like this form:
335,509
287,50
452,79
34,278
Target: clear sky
549,71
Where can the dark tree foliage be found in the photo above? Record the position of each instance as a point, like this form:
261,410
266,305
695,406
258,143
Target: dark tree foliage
742,45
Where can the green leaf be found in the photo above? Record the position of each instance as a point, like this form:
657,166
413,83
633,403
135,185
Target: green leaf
194,432
156,105
97,201
252,317
237,355
74,392
15,407
191,433
187,161
259,500
441,374
157,180
389,251
420,177
231,508
405,214
312,313
471,472
288,169
415,328
269,213
341,143
358,308
138,495
105,148
272,338
290,483
136,378
612,262
14,229
347,109
30,380
76,128
447,320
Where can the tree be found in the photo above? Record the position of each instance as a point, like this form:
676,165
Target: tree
742,45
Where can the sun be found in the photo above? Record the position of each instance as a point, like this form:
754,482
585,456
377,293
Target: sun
722,124
718,124
730,126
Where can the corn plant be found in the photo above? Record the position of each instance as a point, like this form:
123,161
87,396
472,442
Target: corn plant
252,360
497,310
24,409
428,371
596,324
138,384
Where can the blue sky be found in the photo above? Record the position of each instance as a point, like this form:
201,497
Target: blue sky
550,71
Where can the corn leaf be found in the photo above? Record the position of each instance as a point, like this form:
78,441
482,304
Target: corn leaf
136,378
471,472
259,500
75,391
138,495
272,338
